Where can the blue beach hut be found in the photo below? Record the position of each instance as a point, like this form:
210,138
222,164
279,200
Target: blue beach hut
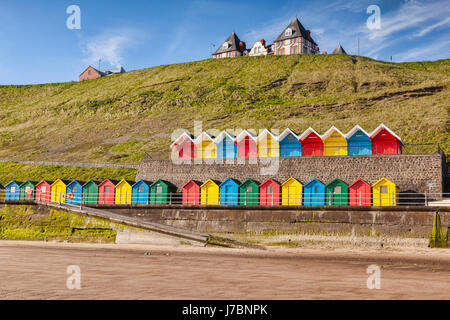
74,192
12,192
289,144
226,145
229,192
314,193
358,142
140,192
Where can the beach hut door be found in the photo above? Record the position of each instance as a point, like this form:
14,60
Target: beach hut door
293,197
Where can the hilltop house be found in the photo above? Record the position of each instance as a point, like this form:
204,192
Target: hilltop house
92,73
294,39
232,47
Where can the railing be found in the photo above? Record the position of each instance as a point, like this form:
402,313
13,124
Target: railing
241,198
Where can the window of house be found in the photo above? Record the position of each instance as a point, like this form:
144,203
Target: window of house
74,189
107,189
225,45
159,189
141,189
337,190
288,32
13,189
316,190
383,189
43,189
249,189
270,190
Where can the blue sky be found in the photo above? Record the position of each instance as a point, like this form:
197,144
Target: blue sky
37,47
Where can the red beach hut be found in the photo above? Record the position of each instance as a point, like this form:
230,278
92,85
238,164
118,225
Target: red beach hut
184,147
360,193
269,193
247,146
106,191
191,193
312,144
44,191
385,141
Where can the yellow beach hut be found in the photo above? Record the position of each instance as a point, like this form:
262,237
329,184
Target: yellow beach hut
291,192
206,148
384,193
334,143
209,192
124,192
59,190
268,144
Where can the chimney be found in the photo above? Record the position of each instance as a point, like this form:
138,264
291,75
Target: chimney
308,34
263,42
242,46
324,52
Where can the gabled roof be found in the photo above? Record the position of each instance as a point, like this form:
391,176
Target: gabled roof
209,181
382,180
313,180
359,180
114,182
354,130
330,131
141,181
130,183
285,133
291,179
230,179
233,44
246,132
82,183
247,181
167,183
99,72
45,181
14,182
204,133
265,132
222,136
192,181
339,50
269,180
183,135
335,180
34,183
307,133
92,181
297,31
381,127
66,182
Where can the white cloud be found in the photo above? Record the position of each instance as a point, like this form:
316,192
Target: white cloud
110,46
438,50
437,25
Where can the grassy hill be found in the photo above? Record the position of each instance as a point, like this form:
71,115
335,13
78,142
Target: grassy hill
118,118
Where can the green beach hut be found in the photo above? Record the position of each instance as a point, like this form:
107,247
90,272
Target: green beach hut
90,192
249,193
162,192
336,193
28,190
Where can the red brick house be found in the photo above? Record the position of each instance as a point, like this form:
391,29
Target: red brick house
295,39
92,73
232,47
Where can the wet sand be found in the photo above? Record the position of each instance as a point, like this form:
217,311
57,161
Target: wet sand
36,270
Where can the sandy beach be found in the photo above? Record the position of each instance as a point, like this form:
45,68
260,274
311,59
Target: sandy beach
37,270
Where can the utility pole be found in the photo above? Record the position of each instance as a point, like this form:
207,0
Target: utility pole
99,61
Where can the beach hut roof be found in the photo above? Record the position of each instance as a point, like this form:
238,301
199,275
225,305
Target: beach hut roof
14,181
285,133
66,182
269,180
381,127
230,179
140,181
313,180
210,180
204,134
246,133
358,180
222,136
249,181
82,183
192,181
335,180
34,183
382,180
114,182
330,131
185,134
289,180
167,183
265,132
130,182
93,181
307,133
354,130
49,182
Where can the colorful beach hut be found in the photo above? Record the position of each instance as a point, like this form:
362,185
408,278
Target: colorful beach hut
162,192
312,144
247,146
384,193
314,193
269,193
385,141
249,193
267,144
291,192
28,190
289,144
191,192
141,192
106,191
2,192
184,147
226,145
336,193
75,192
90,192
44,191
358,142
12,191
209,193
124,192
229,192
334,143
59,191
206,148
360,193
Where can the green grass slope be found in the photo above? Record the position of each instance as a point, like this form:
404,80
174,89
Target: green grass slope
118,118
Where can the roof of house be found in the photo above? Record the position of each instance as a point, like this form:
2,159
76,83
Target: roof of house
233,44
381,127
339,50
222,136
246,133
354,130
330,131
184,134
308,132
285,133
297,31
105,73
